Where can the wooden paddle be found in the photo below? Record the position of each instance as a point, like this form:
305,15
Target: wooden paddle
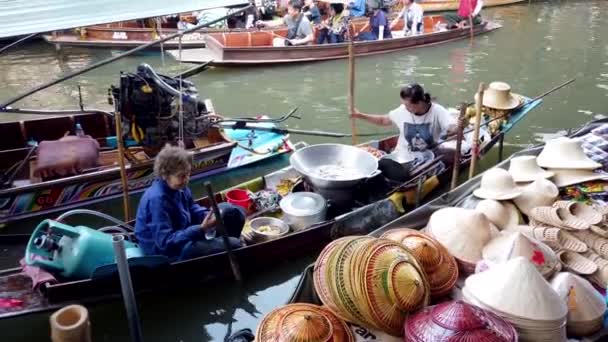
351,88
475,147
234,264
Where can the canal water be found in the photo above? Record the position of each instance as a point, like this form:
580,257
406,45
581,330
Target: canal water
541,44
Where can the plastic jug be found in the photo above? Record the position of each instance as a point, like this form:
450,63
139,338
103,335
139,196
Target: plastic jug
72,252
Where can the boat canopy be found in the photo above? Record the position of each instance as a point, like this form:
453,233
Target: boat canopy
23,17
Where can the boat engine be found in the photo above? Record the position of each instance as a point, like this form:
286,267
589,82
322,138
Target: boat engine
151,112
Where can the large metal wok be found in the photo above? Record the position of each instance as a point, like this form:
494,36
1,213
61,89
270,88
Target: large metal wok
334,170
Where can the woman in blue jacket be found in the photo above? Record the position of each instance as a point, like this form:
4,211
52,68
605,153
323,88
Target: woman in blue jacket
168,220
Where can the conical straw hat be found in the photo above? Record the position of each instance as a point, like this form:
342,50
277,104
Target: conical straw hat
515,244
525,169
457,321
540,193
517,288
503,214
497,184
565,153
303,322
584,302
463,232
566,177
440,267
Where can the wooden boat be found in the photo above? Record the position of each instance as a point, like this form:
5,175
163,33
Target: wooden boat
371,214
305,290
255,48
31,197
452,5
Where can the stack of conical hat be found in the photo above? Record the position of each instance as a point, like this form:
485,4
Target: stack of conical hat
457,321
586,306
440,267
371,282
304,323
512,244
464,232
518,293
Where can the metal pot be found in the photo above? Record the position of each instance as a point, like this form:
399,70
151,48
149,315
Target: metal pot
303,209
334,168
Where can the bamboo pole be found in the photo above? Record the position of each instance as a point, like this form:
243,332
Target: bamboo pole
351,88
121,148
459,137
70,324
475,148
123,171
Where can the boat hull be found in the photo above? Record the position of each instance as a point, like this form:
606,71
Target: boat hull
441,6
217,53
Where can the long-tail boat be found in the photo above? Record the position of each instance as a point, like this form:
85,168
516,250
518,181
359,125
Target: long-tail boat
28,191
256,47
376,206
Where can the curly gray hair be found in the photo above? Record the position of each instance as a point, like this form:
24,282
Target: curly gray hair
172,160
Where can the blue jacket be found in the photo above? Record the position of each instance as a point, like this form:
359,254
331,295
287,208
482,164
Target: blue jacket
167,219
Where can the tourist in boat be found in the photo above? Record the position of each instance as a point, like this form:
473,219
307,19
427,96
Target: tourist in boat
299,28
357,8
311,10
168,220
421,122
460,19
412,14
378,25
334,28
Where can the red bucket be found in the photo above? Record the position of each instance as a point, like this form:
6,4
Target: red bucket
239,197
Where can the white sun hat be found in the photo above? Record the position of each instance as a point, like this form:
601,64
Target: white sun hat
464,232
499,96
503,214
586,306
566,177
540,193
497,184
565,153
512,244
525,169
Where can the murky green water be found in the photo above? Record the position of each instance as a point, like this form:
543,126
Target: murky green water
540,45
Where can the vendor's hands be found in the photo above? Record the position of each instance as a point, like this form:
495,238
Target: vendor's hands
209,221
356,114
260,23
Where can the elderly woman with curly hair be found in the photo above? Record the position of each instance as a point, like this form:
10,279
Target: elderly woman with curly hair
170,223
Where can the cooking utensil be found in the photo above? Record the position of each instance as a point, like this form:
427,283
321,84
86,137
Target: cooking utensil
260,236
303,209
334,170
398,166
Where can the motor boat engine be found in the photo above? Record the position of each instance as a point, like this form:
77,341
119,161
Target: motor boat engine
152,110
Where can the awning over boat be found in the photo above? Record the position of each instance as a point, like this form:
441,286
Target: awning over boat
22,17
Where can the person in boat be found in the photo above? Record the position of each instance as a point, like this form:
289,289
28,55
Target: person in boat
412,14
357,8
168,220
311,10
334,28
299,28
421,121
460,19
378,25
